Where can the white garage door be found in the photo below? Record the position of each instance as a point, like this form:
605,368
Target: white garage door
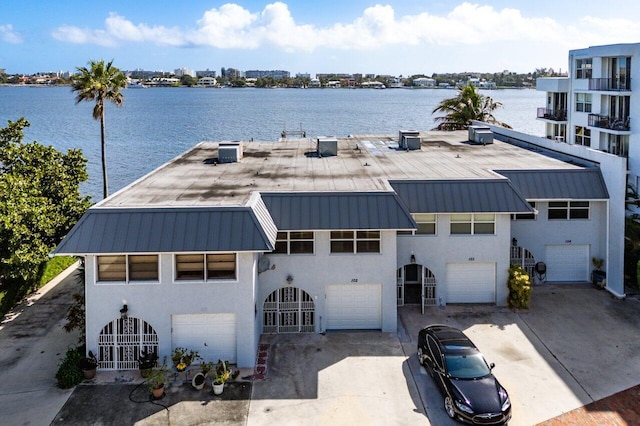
471,283
212,335
354,306
567,262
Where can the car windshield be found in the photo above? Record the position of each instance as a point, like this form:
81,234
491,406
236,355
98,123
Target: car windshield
466,366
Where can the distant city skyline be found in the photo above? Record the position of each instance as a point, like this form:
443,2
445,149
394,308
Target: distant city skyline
398,37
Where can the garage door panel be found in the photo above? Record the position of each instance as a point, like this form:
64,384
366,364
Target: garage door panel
471,283
212,335
567,262
354,306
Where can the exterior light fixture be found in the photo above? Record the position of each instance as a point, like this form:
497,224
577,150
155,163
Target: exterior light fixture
514,242
413,258
123,311
289,279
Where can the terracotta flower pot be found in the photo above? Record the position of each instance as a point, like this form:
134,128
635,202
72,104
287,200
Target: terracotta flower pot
89,374
158,392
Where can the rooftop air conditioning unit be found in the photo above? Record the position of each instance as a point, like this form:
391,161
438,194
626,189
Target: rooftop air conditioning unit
229,152
327,147
403,135
474,129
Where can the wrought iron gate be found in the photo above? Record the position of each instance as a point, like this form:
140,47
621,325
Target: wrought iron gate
288,310
522,257
122,340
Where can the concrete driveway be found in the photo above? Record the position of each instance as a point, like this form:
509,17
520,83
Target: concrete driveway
342,378
575,345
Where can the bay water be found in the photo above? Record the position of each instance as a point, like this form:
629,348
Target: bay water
157,124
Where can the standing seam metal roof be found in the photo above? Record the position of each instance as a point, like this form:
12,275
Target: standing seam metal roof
160,230
338,210
577,184
461,196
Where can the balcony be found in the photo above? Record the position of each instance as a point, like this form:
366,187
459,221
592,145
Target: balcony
609,123
552,114
610,84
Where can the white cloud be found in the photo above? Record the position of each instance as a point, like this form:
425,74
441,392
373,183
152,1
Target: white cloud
7,34
233,27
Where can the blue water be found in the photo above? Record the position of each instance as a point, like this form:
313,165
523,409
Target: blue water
155,125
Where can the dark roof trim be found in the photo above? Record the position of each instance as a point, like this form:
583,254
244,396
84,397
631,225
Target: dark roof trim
162,230
559,184
461,196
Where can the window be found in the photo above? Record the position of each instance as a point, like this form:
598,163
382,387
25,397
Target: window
618,145
128,268
583,68
525,216
473,224
568,210
355,241
217,267
295,243
426,223
583,136
583,102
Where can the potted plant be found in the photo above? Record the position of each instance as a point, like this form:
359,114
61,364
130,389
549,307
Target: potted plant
88,365
155,381
224,373
146,362
206,367
198,381
183,358
598,276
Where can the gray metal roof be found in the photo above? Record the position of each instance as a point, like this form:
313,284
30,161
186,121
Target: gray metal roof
460,196
160,230
576,184
337,210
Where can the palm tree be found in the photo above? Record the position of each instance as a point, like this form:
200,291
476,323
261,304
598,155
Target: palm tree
100,83
468,105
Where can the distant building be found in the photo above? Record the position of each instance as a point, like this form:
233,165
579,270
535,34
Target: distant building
207,82
424,82
180,72
275,74
487,85
303,75
315,83
206,73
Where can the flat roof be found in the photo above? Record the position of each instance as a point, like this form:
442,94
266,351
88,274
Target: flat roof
364,163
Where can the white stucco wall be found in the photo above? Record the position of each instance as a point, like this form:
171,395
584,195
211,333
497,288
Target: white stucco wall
614,172
435,251
313,273
155,303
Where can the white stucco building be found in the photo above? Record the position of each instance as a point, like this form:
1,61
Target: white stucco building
597,105
231,240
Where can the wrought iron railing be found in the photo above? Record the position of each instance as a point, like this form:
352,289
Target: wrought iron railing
552,114
611,123
610,84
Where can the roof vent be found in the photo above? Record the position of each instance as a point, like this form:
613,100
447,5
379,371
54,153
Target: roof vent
327,147
230,152
409,139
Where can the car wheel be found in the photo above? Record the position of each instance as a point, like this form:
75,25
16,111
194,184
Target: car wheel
448,407
420,356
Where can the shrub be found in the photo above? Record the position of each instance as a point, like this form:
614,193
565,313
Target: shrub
519,285
69,373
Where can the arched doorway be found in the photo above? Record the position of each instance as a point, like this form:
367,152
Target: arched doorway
288,310
416,285
122,340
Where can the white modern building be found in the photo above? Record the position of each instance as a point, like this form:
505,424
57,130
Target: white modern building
231,240
424,82
598,104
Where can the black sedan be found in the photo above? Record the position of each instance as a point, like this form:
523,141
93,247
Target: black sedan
471,393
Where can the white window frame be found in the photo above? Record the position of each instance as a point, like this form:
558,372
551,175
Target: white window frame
205,271
473,219
355,238
288,240
584,102
127,270
568,207
426,219
584,68
582,136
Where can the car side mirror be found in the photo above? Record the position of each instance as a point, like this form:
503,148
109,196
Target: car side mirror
492,366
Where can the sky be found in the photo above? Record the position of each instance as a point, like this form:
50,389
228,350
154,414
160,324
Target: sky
396,37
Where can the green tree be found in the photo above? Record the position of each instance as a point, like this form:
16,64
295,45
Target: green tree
98,83
187,80
468,105
39,203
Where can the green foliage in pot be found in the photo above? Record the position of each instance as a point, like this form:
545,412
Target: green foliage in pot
89,363
156,378
519,284
224,373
